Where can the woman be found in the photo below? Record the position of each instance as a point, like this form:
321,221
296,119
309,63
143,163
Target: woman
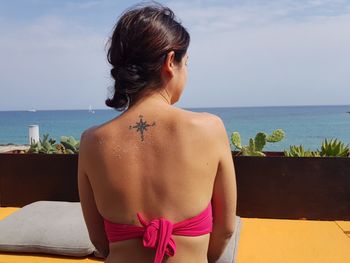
155,165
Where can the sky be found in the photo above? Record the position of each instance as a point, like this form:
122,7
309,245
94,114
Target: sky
242,53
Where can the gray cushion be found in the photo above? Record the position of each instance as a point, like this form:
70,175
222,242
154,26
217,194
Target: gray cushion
229,255
52,227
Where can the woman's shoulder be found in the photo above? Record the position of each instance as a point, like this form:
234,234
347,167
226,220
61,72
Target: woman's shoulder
86,137
205,118
208,122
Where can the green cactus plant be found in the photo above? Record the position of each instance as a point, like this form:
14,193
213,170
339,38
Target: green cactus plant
236,140
260,141
68,145
71,145
256,145
276,136
334,148
45,145
299,151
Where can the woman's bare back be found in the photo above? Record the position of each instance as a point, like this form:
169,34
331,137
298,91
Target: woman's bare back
160,162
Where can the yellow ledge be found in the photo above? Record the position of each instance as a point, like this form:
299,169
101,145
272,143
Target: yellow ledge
293,241
261,241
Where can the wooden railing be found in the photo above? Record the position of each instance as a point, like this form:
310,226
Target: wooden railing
267,187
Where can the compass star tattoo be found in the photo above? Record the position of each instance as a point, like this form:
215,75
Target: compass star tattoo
141,126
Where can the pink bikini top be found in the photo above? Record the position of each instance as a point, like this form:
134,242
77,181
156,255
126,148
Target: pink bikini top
157,233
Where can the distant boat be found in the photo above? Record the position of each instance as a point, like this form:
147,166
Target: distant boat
32,110
91,110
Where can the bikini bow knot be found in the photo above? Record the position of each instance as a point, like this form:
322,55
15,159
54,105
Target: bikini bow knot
158,235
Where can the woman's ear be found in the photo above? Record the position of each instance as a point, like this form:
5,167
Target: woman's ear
168,66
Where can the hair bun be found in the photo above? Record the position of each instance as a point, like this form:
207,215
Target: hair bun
141,38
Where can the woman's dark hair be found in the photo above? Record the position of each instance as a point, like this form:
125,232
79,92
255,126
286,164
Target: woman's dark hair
139,45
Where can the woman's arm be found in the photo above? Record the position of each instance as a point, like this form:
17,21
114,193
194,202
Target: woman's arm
92,217
224,198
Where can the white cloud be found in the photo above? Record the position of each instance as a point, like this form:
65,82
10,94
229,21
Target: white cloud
52,63
209,18
276,53
84,5
266,55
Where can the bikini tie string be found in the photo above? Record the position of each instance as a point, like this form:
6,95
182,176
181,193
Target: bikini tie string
158,235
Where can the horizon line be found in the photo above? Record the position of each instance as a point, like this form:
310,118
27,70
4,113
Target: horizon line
210,107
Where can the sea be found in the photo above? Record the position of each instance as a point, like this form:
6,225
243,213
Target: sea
303,125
